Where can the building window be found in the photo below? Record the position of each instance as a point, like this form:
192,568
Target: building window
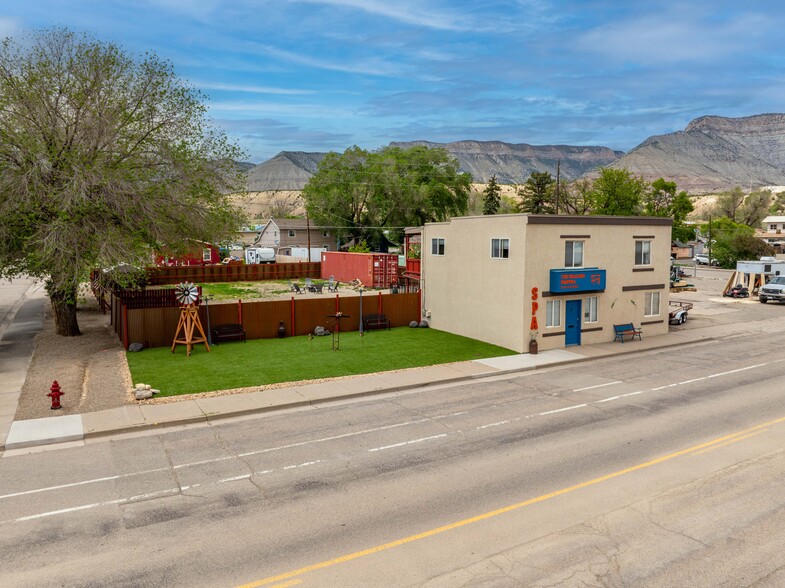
325,233
573,254
642,252
652,304
437,246
553,313
500,248
590,310
292,232
772,227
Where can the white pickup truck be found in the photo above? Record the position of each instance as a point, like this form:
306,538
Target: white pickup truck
773,290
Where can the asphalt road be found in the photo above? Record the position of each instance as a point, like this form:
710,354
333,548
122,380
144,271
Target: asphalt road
657,469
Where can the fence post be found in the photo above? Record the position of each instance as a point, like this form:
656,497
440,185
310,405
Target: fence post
292,331
240,312
125,326
380,303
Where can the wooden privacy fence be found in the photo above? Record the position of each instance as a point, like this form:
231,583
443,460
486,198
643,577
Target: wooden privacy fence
155,327
232,273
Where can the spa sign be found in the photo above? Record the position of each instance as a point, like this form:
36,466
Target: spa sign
578,279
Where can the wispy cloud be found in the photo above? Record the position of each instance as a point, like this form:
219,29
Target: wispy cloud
416,13
250,89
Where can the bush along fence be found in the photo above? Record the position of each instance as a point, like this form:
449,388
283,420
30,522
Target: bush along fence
155,327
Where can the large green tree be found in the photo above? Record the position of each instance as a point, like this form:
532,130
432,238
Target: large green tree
364,194
537,193
103,159
733,241
663,200
617,192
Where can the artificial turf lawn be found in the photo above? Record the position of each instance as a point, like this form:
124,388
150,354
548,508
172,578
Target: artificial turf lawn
268,361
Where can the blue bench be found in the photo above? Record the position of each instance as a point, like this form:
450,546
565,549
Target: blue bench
627,329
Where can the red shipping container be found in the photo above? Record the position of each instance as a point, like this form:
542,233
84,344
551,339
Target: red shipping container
374,270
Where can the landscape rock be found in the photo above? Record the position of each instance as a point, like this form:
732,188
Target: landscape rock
135,347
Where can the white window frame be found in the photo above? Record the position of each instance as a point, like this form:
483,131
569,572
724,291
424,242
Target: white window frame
570,250
590,309
292,233
643,252
500,248
437,246
652,304
553,313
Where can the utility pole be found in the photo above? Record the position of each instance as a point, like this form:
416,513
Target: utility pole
709,239
308,232
558,172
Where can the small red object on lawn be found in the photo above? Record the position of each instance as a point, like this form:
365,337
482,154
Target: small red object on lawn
55,395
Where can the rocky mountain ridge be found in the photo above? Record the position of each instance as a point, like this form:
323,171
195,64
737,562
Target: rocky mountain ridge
715,153
712,154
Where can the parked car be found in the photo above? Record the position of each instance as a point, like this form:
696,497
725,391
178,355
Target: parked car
774,290
702,259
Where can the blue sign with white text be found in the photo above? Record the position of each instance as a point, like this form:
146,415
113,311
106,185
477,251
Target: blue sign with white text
577,279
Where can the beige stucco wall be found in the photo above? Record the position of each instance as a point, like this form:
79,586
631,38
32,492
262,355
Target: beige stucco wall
468,293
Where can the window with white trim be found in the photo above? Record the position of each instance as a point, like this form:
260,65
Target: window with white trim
642,252
500,248
590,309
652,304
573,254
553,313
437,246
292,232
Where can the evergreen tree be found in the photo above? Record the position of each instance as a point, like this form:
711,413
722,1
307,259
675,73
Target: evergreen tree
491,197
537,193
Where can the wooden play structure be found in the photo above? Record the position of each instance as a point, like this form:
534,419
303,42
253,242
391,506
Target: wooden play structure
754,274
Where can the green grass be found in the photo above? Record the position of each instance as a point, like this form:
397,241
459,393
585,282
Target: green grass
244,290
268,361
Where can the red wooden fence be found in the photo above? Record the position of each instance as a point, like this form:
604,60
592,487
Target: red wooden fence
155,327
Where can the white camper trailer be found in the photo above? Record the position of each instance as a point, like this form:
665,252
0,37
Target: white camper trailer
259,255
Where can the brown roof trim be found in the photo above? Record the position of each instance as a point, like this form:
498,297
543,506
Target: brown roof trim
643,287
553,219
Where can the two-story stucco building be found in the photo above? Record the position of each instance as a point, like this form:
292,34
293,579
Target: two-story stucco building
565,280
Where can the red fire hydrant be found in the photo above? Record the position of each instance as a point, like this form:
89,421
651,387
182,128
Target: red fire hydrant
55,395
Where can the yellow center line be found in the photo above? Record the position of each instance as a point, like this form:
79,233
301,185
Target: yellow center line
287,584
742,438
737,436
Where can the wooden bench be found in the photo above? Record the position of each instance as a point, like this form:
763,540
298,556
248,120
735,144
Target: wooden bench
232,332
627,329
375,321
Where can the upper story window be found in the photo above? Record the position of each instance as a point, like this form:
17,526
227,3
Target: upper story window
500,248
573,254
292,232
642,252
437,246
772,227
325,233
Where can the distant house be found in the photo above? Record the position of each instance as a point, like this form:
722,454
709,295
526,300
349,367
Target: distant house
773,232
197,253
295,233
247,235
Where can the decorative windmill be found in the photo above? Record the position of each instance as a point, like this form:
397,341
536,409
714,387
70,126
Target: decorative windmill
187,294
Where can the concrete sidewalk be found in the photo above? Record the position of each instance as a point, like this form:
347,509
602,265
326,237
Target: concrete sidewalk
132,418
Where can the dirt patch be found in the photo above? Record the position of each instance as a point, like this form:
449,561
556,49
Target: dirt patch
91,369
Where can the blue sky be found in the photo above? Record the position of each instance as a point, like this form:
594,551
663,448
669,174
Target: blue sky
322,75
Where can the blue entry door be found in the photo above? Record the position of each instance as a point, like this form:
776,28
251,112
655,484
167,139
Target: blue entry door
572,323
